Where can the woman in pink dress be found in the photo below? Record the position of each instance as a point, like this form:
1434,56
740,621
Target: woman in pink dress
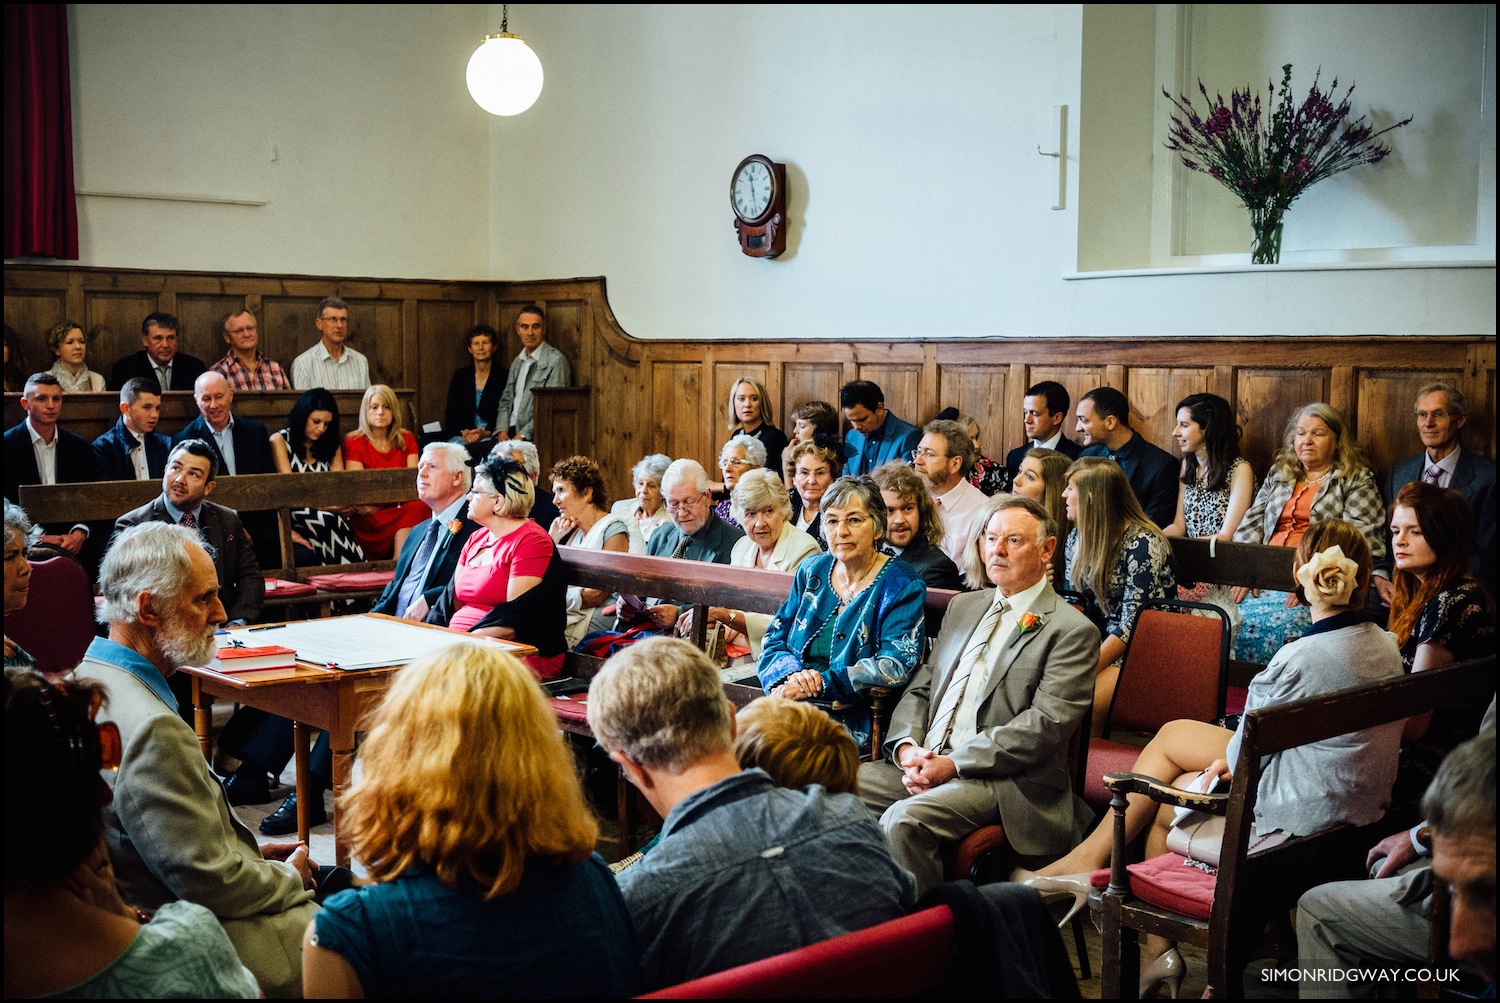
508,583
382,444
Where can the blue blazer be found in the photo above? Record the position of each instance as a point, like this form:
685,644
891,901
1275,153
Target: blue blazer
878,639
893,441
112,454
252,445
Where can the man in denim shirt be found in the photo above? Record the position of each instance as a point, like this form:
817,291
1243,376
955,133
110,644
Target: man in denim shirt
743,870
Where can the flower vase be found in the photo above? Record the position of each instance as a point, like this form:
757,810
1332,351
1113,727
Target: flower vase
1265,235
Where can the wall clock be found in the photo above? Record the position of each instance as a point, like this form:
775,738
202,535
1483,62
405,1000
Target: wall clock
757,193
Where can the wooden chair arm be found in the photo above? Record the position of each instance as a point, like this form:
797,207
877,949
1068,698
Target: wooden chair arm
1164,793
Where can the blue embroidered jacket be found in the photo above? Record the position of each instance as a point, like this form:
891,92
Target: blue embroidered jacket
878,640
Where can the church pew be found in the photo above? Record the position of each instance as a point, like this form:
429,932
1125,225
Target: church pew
105,501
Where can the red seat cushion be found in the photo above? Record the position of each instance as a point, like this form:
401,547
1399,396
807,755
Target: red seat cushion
282,587
1106,756
571,708
959,858
1234,699
1169,881
352,581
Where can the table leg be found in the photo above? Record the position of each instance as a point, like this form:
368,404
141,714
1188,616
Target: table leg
203,719
343,767
299,749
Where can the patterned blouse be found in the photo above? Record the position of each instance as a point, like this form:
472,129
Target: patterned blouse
989,476
1143,571
1460,620
1204,510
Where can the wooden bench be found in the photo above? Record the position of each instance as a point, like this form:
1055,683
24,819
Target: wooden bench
104,501
1250,889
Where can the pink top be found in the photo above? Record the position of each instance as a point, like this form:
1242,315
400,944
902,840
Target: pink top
485,568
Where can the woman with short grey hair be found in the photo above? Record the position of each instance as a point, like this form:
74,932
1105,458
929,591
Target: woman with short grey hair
18,534
645,507
741,454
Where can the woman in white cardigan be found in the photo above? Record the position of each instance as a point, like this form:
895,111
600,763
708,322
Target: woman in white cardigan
764,508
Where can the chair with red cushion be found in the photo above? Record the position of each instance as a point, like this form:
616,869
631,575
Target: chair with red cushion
880,962
1177,667
57,623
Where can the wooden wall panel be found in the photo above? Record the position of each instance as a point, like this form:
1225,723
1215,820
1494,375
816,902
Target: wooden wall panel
30,317
202,318
808,381
116,318
681,423
1267,398
1154,393
975,390
443,348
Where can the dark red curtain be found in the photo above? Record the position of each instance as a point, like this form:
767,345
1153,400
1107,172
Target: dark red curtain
41,211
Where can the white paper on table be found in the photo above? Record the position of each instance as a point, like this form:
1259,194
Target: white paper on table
360,642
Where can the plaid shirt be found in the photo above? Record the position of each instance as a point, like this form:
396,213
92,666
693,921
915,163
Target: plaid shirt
1355,499
266,375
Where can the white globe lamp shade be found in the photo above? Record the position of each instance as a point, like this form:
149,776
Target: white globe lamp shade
504,75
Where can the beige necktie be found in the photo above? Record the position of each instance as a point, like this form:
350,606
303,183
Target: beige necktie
972,658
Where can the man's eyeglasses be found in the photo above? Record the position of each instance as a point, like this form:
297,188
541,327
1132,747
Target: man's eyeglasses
1437,415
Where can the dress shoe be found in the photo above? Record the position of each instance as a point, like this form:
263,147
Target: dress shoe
1168,969
247,787
1057,888
283,820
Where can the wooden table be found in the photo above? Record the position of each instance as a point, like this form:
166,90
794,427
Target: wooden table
313,697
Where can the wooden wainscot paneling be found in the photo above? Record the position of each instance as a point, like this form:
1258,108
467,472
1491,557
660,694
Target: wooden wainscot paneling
650,396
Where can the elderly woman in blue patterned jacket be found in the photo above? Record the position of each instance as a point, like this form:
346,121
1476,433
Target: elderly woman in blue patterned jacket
853,619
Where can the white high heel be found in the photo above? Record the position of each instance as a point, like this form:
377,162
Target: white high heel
1055,888
1168,969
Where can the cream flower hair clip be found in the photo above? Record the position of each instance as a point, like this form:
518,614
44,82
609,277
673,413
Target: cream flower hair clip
1329,577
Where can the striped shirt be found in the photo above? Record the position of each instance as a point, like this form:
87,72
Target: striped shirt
316,368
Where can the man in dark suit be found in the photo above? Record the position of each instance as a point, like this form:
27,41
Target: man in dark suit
133,450
981,734
913,527
423,569
189,478
39,451
430,554
1046,408
158,358
1441,414
1104,430
241,445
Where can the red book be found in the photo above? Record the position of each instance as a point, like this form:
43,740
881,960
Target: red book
270,656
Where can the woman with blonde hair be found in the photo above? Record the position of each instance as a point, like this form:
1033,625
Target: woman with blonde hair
382,443
1320,473
1115,556
71,348
1042,477
1341,781
472,825
750,413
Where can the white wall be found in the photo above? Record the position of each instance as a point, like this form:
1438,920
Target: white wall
351,124
920,208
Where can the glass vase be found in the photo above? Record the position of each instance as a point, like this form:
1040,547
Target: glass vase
1265,235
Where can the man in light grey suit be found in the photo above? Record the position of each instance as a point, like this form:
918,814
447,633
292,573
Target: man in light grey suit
1441,413
169,828
537,365
981,734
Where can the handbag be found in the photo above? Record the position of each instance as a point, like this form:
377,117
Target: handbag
1199,835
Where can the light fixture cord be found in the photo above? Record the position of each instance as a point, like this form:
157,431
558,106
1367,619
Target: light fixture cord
504,18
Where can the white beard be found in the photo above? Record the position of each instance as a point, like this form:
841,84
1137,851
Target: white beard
180,645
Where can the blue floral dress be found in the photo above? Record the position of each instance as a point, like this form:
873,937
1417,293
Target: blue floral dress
877,638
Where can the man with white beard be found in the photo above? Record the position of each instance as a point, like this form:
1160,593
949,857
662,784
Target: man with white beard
169,828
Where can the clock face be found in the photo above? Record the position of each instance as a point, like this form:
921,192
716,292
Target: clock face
751,191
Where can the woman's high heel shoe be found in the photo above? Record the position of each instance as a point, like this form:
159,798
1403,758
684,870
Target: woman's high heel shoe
1057,888
1168,969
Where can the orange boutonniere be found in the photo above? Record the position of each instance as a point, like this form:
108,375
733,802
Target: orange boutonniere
1029,622
454,525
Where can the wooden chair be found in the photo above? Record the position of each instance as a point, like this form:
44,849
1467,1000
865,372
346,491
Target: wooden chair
1248,889
1177,667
